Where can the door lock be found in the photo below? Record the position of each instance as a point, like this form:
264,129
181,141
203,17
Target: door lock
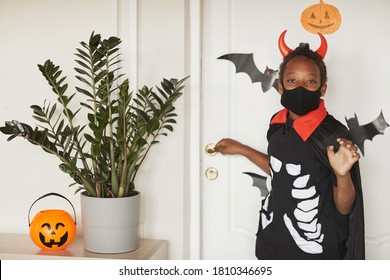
211,173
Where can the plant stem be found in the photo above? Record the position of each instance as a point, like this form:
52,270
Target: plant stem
114,179
121,191
93,83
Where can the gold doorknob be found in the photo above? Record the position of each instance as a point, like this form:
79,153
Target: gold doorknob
211,173
210,149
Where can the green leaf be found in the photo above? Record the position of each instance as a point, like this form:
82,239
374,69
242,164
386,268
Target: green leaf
52,111
167,88
157,98
141,142
83,55
84,91
170,121
151,106
168,84
38,110
162,93
90,138
86,105
66,168
84,81
43,120
152,125
169,127
142,114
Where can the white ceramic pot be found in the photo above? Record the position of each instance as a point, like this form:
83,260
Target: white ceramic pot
110,225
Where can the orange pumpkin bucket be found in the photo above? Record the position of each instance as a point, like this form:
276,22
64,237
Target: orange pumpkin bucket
52,229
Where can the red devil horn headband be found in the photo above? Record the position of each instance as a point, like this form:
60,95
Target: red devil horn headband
285,50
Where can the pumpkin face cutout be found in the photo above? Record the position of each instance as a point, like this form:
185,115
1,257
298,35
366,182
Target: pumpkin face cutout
52,230
321,18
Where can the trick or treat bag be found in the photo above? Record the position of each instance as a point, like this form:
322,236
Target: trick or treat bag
52,229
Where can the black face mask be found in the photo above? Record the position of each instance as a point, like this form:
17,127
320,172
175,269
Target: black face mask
301,100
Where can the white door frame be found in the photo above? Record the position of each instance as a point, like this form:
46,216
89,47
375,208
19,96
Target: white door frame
194,58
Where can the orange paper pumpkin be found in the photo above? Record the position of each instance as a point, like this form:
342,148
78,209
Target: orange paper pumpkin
53,229
321,18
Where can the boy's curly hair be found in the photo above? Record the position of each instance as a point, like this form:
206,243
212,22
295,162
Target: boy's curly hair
304,50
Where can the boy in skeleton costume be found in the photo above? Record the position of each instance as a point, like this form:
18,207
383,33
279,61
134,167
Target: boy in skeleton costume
315,208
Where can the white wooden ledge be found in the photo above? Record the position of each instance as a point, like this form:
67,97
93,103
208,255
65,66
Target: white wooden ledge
15,246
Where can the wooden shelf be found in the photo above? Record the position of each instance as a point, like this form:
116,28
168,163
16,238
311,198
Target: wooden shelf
15,246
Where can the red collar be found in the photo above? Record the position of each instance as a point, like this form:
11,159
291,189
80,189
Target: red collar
306,124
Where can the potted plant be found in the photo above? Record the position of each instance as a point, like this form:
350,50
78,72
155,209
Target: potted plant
104,154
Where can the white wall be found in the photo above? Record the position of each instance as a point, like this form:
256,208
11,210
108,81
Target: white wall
35,30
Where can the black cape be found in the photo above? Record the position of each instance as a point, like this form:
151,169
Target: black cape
325,135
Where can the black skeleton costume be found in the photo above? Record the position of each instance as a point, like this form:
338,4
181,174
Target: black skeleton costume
299,219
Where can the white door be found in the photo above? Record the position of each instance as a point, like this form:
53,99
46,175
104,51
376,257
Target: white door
233,106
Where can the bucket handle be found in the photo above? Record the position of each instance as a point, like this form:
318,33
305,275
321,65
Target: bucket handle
48,194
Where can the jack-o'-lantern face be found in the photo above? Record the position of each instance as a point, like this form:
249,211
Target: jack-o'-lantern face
322,18
52,230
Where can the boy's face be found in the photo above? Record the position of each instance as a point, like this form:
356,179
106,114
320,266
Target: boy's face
302,71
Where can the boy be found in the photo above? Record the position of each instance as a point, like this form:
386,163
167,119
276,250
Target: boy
314,210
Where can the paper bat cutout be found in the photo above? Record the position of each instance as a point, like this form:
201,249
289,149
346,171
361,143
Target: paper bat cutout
360,133
245,64
259,182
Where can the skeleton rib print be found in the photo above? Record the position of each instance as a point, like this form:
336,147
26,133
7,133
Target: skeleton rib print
305,213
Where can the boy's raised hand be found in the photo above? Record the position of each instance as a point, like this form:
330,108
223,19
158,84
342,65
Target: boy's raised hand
346,156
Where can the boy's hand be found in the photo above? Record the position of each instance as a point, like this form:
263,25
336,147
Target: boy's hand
228,146
346,156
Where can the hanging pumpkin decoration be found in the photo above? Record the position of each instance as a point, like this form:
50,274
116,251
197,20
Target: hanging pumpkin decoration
53,229
321,18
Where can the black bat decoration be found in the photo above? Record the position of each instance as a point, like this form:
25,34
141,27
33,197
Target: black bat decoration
244,63
259,182
360,133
